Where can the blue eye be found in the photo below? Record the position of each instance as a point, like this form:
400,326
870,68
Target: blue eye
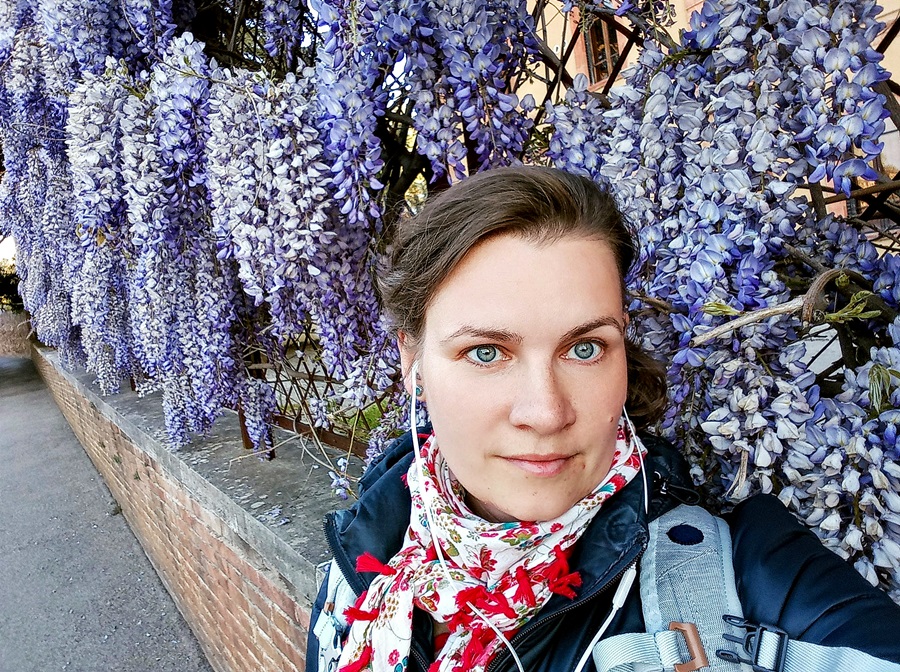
484,354
585,351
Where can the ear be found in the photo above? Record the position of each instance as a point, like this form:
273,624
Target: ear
627,320
408,352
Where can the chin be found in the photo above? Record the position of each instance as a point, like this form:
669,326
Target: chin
538,513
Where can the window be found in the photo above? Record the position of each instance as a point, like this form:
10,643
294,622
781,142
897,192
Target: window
602,50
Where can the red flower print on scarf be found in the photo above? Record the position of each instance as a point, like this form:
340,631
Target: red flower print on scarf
484,564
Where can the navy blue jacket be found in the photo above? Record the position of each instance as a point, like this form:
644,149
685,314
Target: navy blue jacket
785,577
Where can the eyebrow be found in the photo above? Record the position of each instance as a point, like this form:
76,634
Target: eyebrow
605,321
507,336
487,334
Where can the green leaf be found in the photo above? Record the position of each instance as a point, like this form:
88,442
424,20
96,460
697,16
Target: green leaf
720,309
879,387
855,310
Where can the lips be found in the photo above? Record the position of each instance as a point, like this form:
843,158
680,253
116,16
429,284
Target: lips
540,465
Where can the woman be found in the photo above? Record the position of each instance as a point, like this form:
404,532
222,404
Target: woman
507,294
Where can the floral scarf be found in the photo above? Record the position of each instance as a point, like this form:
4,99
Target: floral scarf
507,571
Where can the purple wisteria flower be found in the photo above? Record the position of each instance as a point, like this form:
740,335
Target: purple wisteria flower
169,213
100,303
704,149
182,297
268,204
35,193
281,20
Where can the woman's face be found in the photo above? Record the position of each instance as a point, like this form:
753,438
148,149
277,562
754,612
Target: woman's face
522,362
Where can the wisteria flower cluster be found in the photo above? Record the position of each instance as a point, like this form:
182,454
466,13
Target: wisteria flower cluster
837,69
462,56
269,205
182,299
705,148
81,34
152,24
121,267
351,99
162,204
100,288
281,19
35,188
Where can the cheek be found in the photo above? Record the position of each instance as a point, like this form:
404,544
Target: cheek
461,410
454,393
604,393
466,416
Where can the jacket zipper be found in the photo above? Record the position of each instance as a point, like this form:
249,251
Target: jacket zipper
418,655
353,578
575,605
348,572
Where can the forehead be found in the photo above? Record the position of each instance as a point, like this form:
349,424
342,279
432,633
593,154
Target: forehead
511,282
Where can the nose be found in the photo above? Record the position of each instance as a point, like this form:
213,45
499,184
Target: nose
541,402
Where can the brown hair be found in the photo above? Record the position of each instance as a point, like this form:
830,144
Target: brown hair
538,203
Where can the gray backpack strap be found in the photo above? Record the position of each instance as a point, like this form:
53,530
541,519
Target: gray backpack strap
331,625
687,577
770,649
687,584
693,615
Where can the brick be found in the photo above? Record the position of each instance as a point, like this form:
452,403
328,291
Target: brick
283,622
302,616
288,644
259,601
226,557
278,662
264,644
235,602
278,595
245,566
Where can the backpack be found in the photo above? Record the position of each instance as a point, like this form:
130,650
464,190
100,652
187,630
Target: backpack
693,615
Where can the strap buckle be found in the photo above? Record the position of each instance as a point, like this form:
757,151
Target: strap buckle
694,647
757,644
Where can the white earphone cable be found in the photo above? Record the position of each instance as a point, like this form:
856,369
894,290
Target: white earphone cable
618,600
633,433
622,590
630,574
434,528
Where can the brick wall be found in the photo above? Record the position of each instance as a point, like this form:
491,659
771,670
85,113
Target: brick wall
245,592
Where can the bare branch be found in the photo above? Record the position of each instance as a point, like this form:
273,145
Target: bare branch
853,287
653,301
807,304
752,317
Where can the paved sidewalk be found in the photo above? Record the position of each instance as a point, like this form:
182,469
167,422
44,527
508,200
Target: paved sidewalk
76,591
